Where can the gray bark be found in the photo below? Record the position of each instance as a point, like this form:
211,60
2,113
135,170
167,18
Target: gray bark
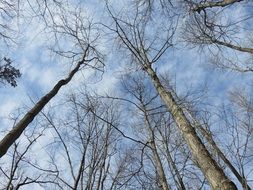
211,141
214,174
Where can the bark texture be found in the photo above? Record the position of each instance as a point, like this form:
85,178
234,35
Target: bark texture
211,141
214,174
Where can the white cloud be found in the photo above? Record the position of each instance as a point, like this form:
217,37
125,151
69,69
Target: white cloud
7,107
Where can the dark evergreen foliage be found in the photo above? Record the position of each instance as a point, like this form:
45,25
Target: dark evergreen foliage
8,73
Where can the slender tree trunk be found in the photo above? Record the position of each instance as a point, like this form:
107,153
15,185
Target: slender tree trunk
172,165
80,171
15,133
214,174
159,166
103,168
157,159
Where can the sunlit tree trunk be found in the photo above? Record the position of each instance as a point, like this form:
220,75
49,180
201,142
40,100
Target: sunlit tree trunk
214,174
211,141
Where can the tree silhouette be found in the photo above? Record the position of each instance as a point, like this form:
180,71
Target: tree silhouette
8,73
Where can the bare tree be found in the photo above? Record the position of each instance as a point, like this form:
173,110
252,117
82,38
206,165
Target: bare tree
136,88
205,131
80,153
150,137
8,13
86,145
14,134
17,170
237,118
225,36
85,54
153,122
132,35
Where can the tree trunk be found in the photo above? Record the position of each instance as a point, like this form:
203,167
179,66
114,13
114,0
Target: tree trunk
157,160
15,133
172,165
214,174
159,166
211,141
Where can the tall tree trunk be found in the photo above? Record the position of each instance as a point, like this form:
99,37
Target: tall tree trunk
211,141
15,133
214,174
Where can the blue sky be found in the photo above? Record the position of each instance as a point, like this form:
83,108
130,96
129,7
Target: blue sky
41,69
